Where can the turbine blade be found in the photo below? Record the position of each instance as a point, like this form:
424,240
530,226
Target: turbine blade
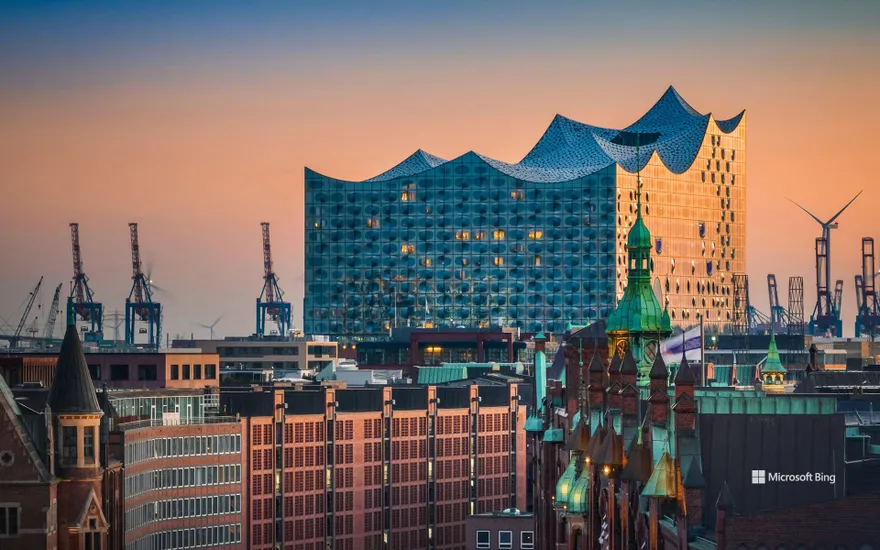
845,207
820,222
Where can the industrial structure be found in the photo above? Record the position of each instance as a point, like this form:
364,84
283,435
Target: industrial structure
750,320
139,306
867,304
826,313
81,303
537,244
270,303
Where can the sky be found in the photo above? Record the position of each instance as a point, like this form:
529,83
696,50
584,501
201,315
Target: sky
196,119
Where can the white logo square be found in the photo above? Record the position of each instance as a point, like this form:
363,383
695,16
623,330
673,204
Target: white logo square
759,477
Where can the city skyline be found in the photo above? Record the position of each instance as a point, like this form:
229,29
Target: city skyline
198,126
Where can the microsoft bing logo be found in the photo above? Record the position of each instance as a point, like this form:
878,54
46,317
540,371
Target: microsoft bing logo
759,477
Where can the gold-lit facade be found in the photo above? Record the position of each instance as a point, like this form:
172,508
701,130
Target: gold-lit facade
698,223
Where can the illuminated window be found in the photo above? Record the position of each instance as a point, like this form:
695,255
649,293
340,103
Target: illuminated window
535,235
499,260
426,262
407,248
373,222
517,195
537,260
409,193
462,235
498,235
480,236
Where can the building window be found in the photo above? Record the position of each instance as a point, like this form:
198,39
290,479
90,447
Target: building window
480,236
527,540
146,372
68,444
505,540
93,541
483,540
536,235
462,235
210,372
373,223
118,372
517,195
9,520
197,372
499,260
89,444
426,262
407,248
186,372
498,234
409,193
95,372
537,260
175,372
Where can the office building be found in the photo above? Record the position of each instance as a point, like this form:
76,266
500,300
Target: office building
534,245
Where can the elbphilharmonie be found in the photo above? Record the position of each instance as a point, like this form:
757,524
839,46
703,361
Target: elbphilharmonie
538,244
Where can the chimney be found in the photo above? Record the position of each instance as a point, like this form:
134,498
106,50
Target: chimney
659,398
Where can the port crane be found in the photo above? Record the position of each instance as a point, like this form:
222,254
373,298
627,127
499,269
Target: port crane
16,337
81,304
139,306
49,330
826,313
270,303
867,303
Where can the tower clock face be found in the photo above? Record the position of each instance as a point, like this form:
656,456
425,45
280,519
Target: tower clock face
651,351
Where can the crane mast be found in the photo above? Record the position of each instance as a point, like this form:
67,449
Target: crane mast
81,303
139,306
24,316
270,303
49,331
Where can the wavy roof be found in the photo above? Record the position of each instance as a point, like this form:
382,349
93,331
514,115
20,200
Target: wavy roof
569,149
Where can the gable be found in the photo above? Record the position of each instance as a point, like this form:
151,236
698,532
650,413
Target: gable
19,460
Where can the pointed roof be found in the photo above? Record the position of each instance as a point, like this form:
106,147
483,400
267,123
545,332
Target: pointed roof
72,389
773,364
596,363
628,365
611,450
578,438
685,375
658,369
638,461
662,481
693,476
614,366
725,499
595,443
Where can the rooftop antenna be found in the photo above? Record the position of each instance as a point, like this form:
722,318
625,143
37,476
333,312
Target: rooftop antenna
825,316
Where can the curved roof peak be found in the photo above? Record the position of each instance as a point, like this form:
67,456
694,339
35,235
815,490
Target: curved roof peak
569,150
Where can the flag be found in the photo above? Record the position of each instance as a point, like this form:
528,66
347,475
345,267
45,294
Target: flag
671,349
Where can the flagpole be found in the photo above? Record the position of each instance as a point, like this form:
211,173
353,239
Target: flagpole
702,352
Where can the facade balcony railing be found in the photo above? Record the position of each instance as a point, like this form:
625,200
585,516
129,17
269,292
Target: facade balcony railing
151,422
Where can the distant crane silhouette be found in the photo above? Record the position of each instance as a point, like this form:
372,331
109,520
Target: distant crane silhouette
211,326
826,313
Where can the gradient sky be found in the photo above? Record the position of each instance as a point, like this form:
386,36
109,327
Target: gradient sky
196,119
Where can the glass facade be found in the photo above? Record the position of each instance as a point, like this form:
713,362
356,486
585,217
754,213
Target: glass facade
462,244
534,245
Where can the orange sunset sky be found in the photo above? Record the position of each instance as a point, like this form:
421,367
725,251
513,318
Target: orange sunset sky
197,123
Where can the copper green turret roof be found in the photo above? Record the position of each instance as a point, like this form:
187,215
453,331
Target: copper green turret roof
773,363
639,311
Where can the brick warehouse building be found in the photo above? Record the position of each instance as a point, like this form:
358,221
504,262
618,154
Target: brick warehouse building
388,468
625,460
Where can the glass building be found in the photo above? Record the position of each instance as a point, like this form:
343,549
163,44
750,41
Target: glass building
537,244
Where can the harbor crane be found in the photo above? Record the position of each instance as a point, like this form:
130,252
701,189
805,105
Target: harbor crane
49,330
867,303
139,306
270,303
826,313
81,303
16,337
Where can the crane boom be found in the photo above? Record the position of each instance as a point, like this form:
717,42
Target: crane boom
49,331
79,293
838,296
267,264
140,289
27,311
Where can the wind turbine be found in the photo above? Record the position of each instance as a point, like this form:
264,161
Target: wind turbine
825,316
211,326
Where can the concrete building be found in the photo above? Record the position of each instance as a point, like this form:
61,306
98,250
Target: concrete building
505,530
390,467
269,352
534,245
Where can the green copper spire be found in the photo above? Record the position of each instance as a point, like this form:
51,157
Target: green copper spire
638,311
773,364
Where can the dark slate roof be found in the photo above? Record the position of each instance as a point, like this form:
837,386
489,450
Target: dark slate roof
557,367
579,437
684,375
596,363
72,390
693,476
725,499
628,365
658,369
817,381
638,463
614,365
